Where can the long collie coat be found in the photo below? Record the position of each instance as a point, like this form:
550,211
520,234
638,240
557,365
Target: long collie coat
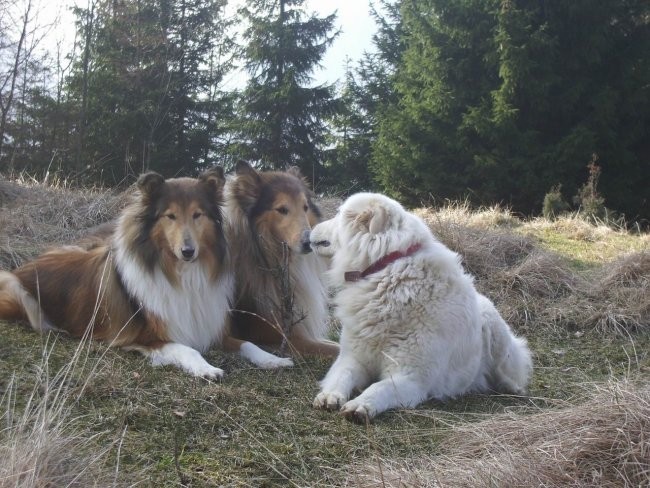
162,283
280,297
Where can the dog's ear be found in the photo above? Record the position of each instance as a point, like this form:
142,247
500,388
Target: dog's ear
150,184
315,215
214,178
373,219
246,188
244,168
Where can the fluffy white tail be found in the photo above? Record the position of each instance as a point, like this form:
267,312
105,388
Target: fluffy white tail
507,362
16,301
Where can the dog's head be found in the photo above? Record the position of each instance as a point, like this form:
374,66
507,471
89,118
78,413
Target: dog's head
180,218
367,227
277,204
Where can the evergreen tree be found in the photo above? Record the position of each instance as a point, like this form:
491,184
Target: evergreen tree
147,86
367,91
502,99
280,118
447,67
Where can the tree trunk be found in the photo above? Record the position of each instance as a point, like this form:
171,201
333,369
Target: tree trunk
6,107
81,130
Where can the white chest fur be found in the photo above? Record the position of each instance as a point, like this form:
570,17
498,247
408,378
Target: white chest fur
194,311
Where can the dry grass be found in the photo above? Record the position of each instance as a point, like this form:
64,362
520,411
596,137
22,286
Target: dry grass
257,428
535,286
604,441
615,298
37,216
463,213
42,443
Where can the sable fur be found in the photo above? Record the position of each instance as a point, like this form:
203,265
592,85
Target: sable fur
269,216
161,283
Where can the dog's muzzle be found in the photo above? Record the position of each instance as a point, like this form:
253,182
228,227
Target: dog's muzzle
188,253
305,244
320,244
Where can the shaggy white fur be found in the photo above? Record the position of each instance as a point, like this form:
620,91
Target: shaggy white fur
415,328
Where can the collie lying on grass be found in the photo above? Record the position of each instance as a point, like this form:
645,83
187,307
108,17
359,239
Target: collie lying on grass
280,294
414,326
160,283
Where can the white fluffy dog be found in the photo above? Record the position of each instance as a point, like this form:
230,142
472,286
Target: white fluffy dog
414,326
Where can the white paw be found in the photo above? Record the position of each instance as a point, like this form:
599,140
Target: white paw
209,372
358,411
330,400
263,359
274,362
185,358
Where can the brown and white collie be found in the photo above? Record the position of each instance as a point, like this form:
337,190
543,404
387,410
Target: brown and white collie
280,296
161,283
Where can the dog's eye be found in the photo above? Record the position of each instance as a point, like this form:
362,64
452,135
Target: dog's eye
196,215
282,210
170,216
306,208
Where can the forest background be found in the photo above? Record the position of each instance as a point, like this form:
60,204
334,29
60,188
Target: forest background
495,101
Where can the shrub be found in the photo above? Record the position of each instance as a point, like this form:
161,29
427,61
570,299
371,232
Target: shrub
554,203
591,203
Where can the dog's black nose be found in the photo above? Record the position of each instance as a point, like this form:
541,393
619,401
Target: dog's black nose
305,245
306,248
187,252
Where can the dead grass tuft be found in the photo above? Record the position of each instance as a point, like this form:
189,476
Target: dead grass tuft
484,251
35,217
42,444
602,442
532,285
616,298
463,213
10,192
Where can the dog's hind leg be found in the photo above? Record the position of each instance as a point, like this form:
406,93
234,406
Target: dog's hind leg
313,347
397,391
16,303
254,354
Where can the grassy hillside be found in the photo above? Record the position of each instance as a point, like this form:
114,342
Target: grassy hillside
579,293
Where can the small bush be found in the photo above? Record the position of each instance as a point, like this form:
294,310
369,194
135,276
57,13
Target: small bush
591,203
554,204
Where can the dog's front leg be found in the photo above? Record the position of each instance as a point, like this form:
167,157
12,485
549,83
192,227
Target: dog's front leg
183,357
399,390
345,375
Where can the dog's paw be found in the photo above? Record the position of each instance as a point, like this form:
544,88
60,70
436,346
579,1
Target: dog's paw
210,372
329,400
263,359
274,362
359,412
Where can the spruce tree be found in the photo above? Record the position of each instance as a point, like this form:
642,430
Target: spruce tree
502,99
147,86
280,119
367,91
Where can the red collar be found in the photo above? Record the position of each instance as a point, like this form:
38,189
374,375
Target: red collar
382,263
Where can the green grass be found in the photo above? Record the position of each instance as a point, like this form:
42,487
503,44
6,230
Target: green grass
587,253
257,428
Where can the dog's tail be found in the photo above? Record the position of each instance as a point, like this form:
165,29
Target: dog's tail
507,360
16,303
